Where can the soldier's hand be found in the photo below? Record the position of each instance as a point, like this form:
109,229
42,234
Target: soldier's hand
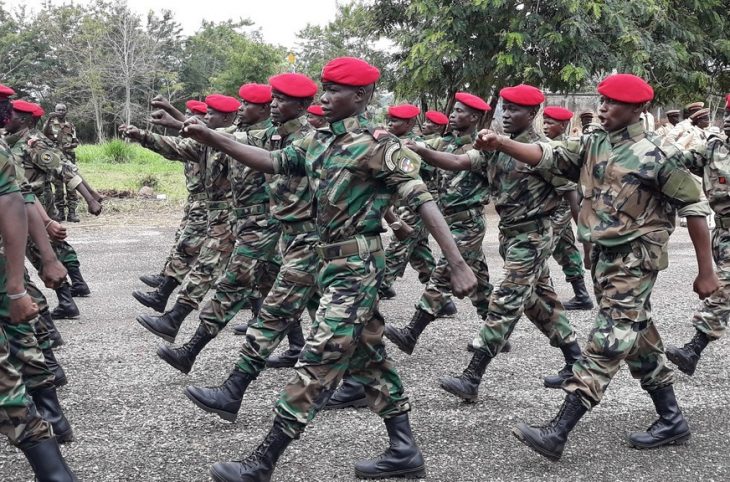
162,118
53,274
487,140
23,310
56,231
414,146
706,285
130,131
160,102
195,129
463,281
405,231
94,207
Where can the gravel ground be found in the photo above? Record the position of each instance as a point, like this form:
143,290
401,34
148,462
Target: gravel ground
132,421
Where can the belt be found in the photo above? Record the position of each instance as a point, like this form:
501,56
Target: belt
525,227
359,245
722,221
463,215
253,210
298,227
218,205
200,196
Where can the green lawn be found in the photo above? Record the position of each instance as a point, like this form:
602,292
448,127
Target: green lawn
120,167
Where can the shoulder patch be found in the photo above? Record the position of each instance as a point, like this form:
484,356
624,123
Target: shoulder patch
380,134
391,156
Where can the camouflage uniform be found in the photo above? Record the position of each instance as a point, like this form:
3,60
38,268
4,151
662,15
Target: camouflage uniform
631,190
462,196
524,200
354,175
19,420
63,134
415,249
564,248
218,245
711,161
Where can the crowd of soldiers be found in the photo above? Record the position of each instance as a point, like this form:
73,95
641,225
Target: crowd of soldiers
286,205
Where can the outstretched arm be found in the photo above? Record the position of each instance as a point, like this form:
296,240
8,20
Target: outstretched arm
442,160
159,102
706,282
490,141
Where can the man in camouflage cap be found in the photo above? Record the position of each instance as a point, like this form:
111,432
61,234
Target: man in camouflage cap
61,131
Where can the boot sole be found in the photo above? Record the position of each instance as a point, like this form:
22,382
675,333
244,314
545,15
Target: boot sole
676,440
144,302
239,333
227,416
680,365
417,473
164,356
66,437
528,442
462,395
66,317
168,338
57,342
359,403
60,382
282,362
578,308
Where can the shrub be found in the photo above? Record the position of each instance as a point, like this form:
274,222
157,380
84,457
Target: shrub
150,180
117,151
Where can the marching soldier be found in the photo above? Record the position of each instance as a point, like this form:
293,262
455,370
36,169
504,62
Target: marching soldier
315,116
63,133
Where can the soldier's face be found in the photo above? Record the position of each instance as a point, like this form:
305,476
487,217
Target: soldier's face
703,122
462,118
553,128
516,118
61,111
285,108
6,110
399,127
216,119
316,121
251,113
585,120
726,122
614,115
341,101
429,128
17,121
673,119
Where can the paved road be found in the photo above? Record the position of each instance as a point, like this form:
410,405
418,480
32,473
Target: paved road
133,422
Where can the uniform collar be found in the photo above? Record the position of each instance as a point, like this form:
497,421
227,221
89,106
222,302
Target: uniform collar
349,124
527,136
464,139
632,132
291,126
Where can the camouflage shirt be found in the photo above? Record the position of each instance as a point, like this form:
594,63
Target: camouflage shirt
519,192
711,161
631,187
460,190
291,195
63,134
7,171
354,171
429,173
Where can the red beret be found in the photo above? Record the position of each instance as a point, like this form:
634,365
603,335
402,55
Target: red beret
294,85
523,94
5,91
38,112
24,106
316,110
350,71
557,113
403,111
471,100
727,102
222,103
437,117
626,88
255,93
196,106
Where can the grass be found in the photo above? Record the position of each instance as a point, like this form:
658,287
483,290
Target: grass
117,168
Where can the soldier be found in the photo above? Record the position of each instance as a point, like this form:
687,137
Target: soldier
462,197
672,120
63,133
565,251
315,116
434,125
683,126
696,134
631,190
711,161
525,200
219,241
294,286
354,170
255,110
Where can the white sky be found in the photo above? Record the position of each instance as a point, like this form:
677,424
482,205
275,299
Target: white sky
279,20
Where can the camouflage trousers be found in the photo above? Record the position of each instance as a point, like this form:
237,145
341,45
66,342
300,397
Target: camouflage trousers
346,336
526,288
712,316
65,253
294,290
71,200
565,249
414,250
213,257
468,235
188,244
623,330
178,232
256,240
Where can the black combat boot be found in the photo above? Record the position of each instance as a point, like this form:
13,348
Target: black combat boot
466,386
59,376
549,440
168,324
66,309
506,348
401,459
296,342
53,333
225,400
669,428
157,300
449,309
350,394
79,288
386,293
183,357
687,357
572,353
47,462
72,217
258,466
59,215
46,401
240,329
405,338
581,300
255,305
152,280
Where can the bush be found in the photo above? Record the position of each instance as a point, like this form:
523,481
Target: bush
150,180
117,151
